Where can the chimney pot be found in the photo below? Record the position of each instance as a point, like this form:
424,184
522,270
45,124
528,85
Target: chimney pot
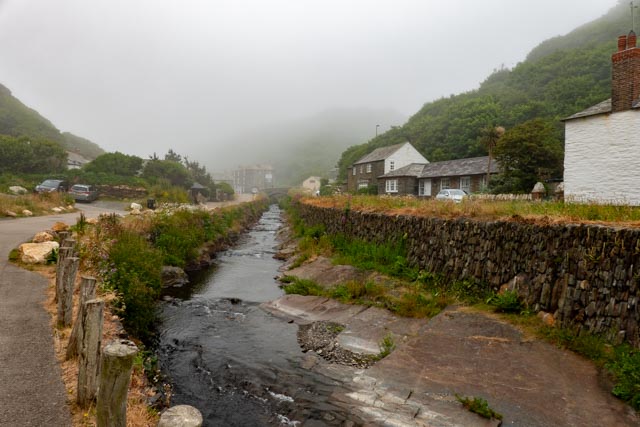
622,43
631,40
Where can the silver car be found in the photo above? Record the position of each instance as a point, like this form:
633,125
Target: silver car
452,194
84,192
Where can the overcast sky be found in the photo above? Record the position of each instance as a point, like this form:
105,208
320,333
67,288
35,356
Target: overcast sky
139,76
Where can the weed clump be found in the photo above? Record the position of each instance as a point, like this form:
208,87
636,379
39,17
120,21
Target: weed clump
479,406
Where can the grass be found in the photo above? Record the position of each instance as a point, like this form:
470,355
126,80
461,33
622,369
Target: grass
38,204
549,211
479,406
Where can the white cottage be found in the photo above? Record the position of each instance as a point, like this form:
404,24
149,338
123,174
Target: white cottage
602,143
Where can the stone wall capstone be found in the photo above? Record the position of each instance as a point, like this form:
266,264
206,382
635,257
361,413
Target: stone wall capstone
586,275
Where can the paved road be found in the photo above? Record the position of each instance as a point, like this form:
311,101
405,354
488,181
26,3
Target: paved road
31,388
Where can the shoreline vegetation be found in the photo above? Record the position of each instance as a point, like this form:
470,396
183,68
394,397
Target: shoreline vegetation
126,255
407,291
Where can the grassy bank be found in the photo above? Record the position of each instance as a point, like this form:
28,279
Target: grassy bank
546,212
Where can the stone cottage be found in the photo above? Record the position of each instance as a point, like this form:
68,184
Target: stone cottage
427,179
365,172
602,143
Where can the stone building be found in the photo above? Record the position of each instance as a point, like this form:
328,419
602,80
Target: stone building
602,143
426,180
364,173
252,179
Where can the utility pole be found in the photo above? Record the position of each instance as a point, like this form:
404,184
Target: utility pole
633,21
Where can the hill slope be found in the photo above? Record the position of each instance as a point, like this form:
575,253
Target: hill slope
16,119
561,76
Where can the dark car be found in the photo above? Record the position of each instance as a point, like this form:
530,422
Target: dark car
51,185
84,192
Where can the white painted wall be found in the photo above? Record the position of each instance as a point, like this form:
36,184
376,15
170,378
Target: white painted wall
404,156
602,158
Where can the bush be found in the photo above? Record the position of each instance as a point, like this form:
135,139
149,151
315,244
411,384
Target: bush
506,302
135,275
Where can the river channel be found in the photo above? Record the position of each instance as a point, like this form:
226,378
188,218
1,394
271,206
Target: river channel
236,363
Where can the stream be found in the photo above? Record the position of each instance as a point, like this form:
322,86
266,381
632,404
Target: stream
236,363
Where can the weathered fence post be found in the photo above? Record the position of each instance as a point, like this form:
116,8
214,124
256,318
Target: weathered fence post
89,361
181,416
87,292
115,375
63,253
65,299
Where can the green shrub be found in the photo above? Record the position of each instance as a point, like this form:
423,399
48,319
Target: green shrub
135,275
303,287
506,302
625,366
479,406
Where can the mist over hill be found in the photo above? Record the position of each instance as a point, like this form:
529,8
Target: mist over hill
16,119
561,76
306,146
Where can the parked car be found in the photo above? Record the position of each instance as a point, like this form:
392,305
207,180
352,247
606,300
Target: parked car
51,185
452,194
84,192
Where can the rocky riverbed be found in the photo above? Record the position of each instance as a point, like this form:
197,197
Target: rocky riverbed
459,352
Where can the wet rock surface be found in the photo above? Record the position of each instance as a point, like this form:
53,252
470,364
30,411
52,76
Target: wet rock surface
321,338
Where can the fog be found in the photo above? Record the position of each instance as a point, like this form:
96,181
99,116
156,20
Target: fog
144,76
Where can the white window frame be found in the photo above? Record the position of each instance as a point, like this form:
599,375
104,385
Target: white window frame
483,182
368,167
465,183
353,171
422,187
363,184
391,186
445,183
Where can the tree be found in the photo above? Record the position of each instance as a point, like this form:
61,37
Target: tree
173,156
115,164
173,172
23,155
489,137
529,153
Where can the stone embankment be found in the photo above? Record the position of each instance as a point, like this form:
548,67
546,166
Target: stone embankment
587,276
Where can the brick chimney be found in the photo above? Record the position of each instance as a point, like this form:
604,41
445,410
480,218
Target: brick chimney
625,74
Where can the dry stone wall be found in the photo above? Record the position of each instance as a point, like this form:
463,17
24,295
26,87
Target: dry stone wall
586,275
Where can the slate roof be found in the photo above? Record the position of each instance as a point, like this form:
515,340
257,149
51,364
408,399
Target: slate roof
602,108
459,167
380,153
414,169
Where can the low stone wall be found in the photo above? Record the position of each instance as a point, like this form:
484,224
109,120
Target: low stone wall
586,275
122,191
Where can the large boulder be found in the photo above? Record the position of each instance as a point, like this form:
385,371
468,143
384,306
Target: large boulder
173,276
136,206
36,253
16,189
27,212
60,226
42,236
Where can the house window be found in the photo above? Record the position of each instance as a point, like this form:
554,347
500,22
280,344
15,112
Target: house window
391,186
363,184
483,182
369,168
392,165
444,183
465,183
353,171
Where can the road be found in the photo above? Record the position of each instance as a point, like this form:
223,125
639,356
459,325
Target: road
31,388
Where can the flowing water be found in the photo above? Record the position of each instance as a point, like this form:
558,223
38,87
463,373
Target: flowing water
237,364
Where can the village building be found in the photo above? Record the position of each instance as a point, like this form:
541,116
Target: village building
311,184
364,172
426,180
602,143
252,179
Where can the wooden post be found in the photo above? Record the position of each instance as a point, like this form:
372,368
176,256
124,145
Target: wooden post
63,253
87,292
115,375
65,300
181,416
89,361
